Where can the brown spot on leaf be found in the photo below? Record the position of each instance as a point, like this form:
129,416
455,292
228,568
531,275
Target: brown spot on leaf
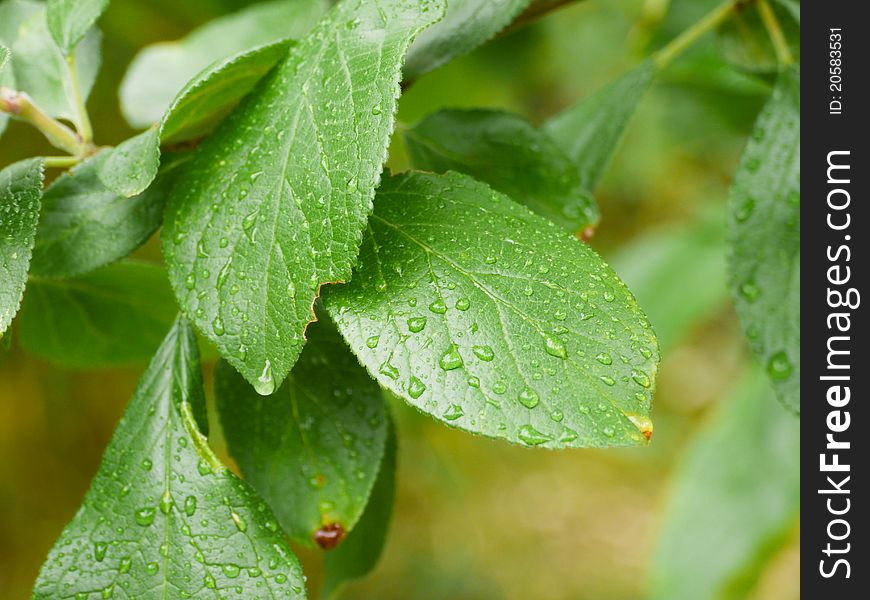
587,233
329,536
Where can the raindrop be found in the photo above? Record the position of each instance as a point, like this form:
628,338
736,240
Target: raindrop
416,324
531,436
415,387
100,549
779,366
604,358
483,353
452,412
640,378
438,307
451,359
190,505
145,516
750,291
372,342
388,370
529,398
265,385
555,347
463,304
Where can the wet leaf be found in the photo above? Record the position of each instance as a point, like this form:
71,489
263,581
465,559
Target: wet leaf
20,191
360,552
160,71
745,42
84,226
764,236
130,168
510,154
466,25
494,320
274,202
164,518
313,448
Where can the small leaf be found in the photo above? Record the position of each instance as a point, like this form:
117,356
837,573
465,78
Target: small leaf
160,71
745,42
39,66
20,191
359,553
274,202
677,274
493,320
84,226
735,496
4,56
466,25
764,235
590,131
164,518
116,315
311,449
70,20
132,165
510,154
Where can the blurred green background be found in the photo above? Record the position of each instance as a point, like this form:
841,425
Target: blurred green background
478,518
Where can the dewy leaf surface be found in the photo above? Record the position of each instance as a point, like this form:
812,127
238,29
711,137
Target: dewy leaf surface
494,320
510,154
466,25
360,552
69,20
116,315
83,225
160,71
20,191
164,518
132,165
735,496
274,203
590,130
40,67
312,449
765,238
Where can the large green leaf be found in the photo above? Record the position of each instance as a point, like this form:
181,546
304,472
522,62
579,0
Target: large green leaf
362,549
736,495
39,66
765,238
274,202
677,273
20,191
510,154
164,518
311,449
590,130
466,25
494,320
70,20
115,315
159,72
207,98
84,226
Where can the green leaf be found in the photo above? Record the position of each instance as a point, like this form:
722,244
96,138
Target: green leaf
4,56
70,20
510,154
590,131
745,42
7,79
20,190
160,71
735,496
84,226
164,518
359,553
40,67
466,25
677,273
206,99
765,239
311,449
115,315
494,320
295,166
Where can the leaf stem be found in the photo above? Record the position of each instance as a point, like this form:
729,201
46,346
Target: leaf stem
664,56
84,121
59,135
771,23
60,162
